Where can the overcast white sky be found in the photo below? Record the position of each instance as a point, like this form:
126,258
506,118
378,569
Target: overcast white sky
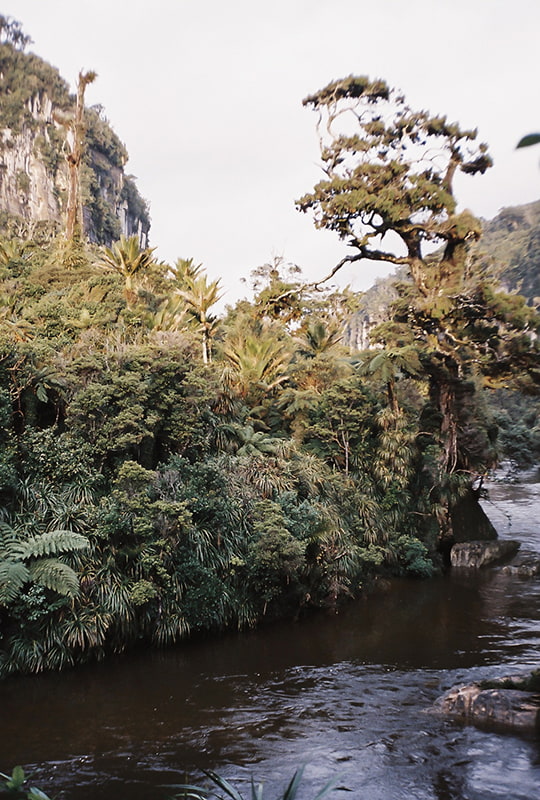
207,96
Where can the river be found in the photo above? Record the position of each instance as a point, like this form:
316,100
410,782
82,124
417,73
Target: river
345,694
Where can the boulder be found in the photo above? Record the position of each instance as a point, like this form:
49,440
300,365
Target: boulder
468,517
479,554
526,565
509,709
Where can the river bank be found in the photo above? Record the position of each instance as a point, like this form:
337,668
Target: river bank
345,694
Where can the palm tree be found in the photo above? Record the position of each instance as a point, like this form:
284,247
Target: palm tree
319,338
185,271
126,258
257,363
170,316
200,295
244,440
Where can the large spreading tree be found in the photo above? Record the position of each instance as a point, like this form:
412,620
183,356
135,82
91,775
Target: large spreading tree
388,192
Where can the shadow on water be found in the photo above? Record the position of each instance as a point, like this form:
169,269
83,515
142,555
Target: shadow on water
344,694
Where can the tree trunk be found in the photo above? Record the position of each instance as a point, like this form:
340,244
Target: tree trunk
74,217
449,426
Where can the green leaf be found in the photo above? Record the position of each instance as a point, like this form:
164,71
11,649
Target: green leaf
256,791
37,793
41,393
55,575
527,141
223,784
13,576
292,788
51,543
17,778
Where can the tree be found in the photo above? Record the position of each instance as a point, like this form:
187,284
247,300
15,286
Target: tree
388,365
389,186
128,259
388,192
11,33
75,127
199,295
257,362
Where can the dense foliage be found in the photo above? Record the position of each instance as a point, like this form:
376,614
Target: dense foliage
165,472
147,494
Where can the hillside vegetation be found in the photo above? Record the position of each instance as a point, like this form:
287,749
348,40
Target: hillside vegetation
165,472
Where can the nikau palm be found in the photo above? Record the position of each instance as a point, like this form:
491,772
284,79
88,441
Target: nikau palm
128,259
199,295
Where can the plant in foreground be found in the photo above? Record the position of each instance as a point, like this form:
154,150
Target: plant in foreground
186,791
14,786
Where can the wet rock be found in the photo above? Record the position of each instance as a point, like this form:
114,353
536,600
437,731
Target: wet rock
509,709
479,554
528,566
468,517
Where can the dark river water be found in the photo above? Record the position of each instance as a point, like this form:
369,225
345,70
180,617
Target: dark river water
345,695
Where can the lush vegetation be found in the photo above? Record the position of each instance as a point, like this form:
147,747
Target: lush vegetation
164,471
147,494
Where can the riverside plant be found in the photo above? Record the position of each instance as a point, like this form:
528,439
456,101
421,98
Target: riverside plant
186,791
14,786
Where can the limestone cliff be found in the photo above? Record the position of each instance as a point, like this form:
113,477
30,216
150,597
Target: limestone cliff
34,101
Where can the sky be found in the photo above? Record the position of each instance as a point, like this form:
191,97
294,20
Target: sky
207,97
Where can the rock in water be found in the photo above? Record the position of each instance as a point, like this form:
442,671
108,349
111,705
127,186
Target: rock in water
511,709
478,554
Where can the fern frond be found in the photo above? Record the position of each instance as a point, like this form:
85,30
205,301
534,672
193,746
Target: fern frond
13,576
55,575
51,543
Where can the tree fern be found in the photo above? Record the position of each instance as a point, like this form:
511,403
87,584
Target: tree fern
55,575
52,543
13,576
25,560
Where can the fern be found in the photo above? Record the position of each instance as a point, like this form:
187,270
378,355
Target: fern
13,576
55,575
52,543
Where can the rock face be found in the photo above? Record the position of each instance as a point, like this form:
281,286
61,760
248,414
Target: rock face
33,167
510,709
479,554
